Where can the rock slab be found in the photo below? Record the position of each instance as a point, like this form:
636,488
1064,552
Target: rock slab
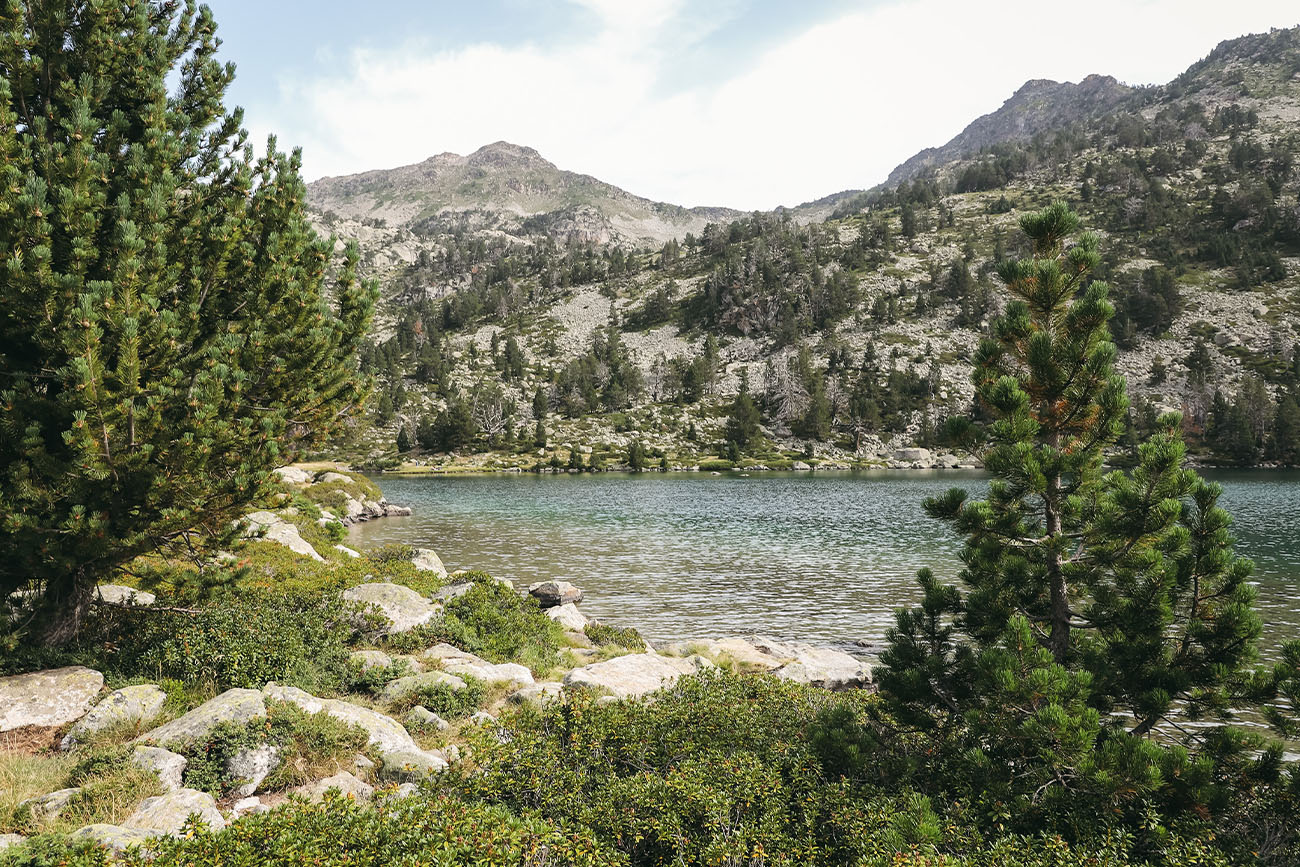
635,674
130,704
53,697
401,607
233,705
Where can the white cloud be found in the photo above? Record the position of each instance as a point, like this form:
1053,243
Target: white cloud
835,106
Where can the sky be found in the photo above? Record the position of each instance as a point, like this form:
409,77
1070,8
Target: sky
748,104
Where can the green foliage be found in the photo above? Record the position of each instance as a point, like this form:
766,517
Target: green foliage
167,336
311,746
1094,607
341,832
444,700
492,621
619,636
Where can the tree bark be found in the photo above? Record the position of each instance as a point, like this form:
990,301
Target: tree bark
64,608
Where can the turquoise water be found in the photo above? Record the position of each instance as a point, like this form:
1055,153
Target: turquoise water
824,558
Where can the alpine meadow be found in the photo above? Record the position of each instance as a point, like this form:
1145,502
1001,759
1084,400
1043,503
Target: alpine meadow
1075,327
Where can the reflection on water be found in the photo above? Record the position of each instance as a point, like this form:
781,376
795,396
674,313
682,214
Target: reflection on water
823,558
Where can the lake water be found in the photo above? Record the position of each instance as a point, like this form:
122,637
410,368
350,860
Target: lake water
825,558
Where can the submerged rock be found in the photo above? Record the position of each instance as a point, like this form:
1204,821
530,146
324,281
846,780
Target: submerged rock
53,697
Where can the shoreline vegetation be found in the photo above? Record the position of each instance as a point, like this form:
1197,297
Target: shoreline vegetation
196,670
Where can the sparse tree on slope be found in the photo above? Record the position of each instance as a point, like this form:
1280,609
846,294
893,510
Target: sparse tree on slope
1093,606
165,335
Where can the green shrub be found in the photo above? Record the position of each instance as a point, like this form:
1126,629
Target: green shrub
620,636
311,746
716,466
343,833
373,679
492,621
443,700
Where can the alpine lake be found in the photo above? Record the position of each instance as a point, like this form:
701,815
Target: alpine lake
819,557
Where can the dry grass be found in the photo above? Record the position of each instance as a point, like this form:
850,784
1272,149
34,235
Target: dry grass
24,775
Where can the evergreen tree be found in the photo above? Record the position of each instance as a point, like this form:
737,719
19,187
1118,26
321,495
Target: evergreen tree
403,440
743,419
454,427
1083,595
166,336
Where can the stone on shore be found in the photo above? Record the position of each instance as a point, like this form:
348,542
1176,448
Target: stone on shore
53,697
130,704
233,705
913,454
270,527
427,560
401,607
550,594
816,666
293,475
635,674
568,616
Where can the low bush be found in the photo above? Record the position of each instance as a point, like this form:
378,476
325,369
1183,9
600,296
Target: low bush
619,636
311,747
443,700
716,466
343,833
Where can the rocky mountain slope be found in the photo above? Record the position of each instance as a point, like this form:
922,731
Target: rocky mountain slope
851,321
503,187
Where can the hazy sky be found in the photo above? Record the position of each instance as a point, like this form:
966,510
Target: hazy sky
744,103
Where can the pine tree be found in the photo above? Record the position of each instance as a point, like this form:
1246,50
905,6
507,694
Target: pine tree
1112,594
166,337
743,420
403,440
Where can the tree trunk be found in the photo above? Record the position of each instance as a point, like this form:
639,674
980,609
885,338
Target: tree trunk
64,609
1059,639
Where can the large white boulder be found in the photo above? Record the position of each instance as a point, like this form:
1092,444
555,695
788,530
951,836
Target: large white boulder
427,560
815,666
293,475
233,705
402,607
250,766
169,766
270,527
568,616
53,697
635,674
505,672
130,704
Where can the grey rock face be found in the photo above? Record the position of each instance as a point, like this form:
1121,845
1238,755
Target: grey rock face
169,766
568,616
411,766
427,560
46,807
167,814
422,716
404,686
251,765
115,837
401,607
233,705
130,704
368,659
273,528
53,697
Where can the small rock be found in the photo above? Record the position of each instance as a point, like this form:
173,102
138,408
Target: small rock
401,607
362,764
167,814
293,475
506,672
247,806
346,550
233,705
914,454
46,807
411,766
251,765
422,716
453,591
444,652
800,466
347,785
169,766
427,560
117,594
114,837
7,840
330,476
404,686
568,616
369,659
549,594
482,717
270,527
538,693
130,704
405,790
53,697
